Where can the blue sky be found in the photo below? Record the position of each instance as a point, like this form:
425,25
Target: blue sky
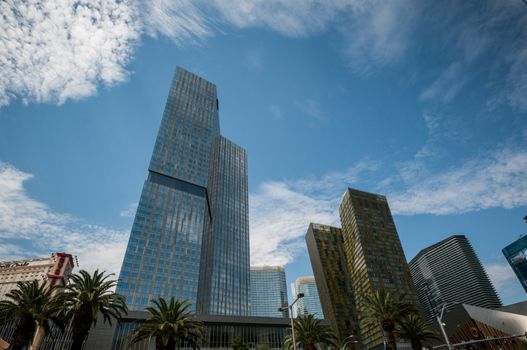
423,101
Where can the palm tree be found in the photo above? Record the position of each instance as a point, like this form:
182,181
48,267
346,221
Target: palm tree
412,327
384,309
85,297
170,324
34,309
310,332
239,344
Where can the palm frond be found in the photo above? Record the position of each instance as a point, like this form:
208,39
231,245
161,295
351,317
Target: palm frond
413,327
310,333
170,324
31,304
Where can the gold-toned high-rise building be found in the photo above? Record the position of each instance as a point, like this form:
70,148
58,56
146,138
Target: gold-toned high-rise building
328,259
374,253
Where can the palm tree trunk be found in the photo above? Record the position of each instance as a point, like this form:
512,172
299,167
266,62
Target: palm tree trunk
23,332
391,341
79,336
416,344
160,346
37,338
77,343
81,324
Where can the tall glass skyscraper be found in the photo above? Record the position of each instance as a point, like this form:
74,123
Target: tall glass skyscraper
268,291
178,206
225,264
310,303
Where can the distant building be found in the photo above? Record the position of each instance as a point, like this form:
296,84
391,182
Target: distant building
448,273
268,291
310,303
325,245
54,270
516,255
374,253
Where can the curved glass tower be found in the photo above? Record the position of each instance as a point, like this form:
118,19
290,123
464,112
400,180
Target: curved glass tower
448,273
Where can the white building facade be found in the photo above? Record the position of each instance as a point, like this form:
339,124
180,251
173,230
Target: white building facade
54,270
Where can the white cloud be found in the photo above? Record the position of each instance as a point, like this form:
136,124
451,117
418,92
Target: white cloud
375,33
334,181
505,281
294,18
53,51
130,211
487,37
29,227
281,211
447,85
312,109
441,131
279,220
496,180
516,82
182,21
378,32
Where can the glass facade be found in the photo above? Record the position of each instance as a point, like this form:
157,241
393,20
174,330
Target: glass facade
220,332
374,253
224,276
325,245
449,272
175,211
516,255
310,303
268,291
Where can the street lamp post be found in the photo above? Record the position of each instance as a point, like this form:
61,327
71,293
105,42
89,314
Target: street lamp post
442,326
290,307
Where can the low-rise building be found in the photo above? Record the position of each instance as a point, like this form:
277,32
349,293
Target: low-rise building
54,270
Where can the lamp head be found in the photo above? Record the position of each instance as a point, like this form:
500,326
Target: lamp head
300,295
